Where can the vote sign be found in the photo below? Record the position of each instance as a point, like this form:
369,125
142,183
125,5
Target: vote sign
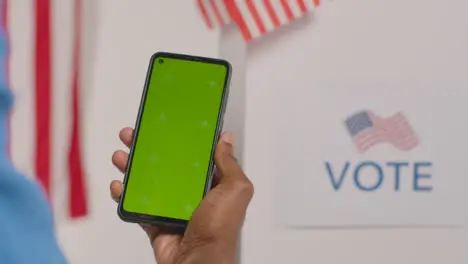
372,154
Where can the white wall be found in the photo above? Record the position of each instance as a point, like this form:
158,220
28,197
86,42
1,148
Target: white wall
128,34
361,40
232,48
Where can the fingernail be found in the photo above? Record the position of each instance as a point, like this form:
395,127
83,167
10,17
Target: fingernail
227,137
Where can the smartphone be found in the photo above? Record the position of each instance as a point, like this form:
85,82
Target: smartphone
170,165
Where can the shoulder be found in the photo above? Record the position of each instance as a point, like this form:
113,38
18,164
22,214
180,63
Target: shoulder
27,232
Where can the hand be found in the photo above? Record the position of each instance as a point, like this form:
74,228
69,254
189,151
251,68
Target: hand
212,235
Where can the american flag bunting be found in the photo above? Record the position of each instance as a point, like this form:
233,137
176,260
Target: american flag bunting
46,75
254,18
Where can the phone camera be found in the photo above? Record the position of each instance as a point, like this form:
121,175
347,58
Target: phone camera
161,61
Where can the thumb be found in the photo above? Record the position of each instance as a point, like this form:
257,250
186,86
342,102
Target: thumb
226,163
225,145
220,215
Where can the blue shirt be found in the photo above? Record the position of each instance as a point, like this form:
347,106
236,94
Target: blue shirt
27,233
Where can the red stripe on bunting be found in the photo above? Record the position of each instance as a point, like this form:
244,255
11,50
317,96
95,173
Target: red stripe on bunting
43,90
271,13
287,9
256,16
205,15
77,189
237,17
217,13
302,6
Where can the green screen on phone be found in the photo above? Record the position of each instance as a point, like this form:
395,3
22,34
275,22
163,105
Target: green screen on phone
177,128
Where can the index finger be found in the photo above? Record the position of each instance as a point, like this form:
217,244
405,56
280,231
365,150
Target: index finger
126,136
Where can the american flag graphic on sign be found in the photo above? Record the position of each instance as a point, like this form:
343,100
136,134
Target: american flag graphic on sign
49,65
367,130
254,18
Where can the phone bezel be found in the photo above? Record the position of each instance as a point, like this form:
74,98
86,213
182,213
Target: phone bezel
151,219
